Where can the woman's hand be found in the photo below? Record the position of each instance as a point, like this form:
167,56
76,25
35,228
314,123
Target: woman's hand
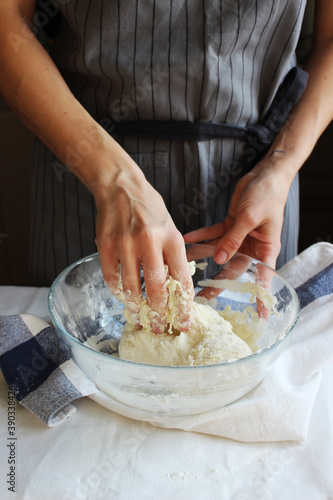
133,225
255,216
135,229
254,221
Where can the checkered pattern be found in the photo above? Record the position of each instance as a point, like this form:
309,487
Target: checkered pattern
36,364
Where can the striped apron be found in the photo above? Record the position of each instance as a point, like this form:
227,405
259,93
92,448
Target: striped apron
188,88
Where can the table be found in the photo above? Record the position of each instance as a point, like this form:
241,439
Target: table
99,455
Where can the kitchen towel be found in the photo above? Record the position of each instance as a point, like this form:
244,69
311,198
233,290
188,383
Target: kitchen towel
46,380
38,369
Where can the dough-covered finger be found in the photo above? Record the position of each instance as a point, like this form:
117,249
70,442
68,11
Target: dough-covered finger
157,294
179,269
131,284
264,277
115,286
111,273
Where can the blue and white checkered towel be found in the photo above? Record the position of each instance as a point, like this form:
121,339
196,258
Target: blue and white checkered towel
37,366
46,380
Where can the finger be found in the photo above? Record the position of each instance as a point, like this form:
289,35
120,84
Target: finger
198,251
265,270
213,242
262,310
205,233
264,277
176,259
131,284
232,240
269,249
231,270
157,295
114,283
110,270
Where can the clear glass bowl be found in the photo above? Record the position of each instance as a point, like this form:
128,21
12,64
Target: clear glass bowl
89,321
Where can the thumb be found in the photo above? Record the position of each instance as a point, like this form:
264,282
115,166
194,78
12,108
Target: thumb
231,241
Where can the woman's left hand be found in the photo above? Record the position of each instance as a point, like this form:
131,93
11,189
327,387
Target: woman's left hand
254,221
255,216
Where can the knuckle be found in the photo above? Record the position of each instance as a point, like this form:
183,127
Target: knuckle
155,278
106,242
157,295
147,236
158,323
252,218
103,244
187,284
124,240
177,239
132,297
233,242
111,278
189,288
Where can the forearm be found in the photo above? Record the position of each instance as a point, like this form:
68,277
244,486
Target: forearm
309,117
34,88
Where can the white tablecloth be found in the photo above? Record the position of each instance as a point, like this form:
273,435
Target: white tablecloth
99,455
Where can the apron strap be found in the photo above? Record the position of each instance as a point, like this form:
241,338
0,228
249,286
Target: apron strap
180,130
285,98
287,95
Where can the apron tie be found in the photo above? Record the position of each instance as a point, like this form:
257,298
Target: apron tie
287,95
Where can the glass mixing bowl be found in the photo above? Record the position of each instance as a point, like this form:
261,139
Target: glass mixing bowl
89,321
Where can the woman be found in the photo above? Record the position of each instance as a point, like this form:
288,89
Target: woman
122,74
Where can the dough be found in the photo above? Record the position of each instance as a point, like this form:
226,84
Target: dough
209,340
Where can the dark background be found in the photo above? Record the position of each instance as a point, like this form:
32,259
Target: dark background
16,146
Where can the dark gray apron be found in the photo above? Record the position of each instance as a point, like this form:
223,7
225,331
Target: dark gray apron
191,89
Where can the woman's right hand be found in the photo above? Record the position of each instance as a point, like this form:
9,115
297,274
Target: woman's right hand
133,225
134,229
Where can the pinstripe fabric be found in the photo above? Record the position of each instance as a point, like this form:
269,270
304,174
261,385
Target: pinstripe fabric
197,60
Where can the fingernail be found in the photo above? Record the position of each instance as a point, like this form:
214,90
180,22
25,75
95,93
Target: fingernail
183,326
221,257
158,323
157,328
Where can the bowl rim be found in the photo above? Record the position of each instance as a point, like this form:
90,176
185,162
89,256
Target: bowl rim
261,352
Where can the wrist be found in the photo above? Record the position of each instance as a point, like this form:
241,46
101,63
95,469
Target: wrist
275,174
294,143
100,162
284,158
